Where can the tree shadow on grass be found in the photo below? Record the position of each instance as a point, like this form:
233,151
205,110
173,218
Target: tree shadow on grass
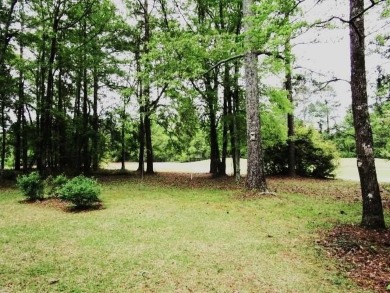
57,203
84,209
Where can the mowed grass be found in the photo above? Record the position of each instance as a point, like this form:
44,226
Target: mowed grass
151,238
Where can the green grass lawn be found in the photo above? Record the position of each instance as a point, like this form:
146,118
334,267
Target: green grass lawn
151,238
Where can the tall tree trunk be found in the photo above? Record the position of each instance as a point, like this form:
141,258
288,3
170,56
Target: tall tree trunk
327,117
211,96
95,121
4,132
47,103
123,152
256,175
77,124
19,115
231,131
85,135
372,204
226,118
290,116
41,88
236,111
24,144
5,35
214,147
61,120
149,145
141,139
141,128
146,96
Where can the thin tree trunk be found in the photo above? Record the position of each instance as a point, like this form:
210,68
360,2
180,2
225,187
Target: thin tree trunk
236,111
95,122
290,116
61,121
256,175
146,97
77,125
4,133
6,37
141,128
19,115
225,119
141,138
372,204
149,145
47,103
211,99
231,132
85,136
222,167
40,150
85,143
123,159
24,144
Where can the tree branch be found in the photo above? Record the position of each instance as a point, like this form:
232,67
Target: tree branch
324,84
232,58
154,104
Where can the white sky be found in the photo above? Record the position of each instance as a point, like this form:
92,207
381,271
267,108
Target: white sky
330,55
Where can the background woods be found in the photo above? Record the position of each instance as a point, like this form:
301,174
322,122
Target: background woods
88,82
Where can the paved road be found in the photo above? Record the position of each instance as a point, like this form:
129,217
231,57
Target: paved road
346,171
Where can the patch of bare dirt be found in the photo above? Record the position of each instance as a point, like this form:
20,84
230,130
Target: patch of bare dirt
59,204
51,202
363,254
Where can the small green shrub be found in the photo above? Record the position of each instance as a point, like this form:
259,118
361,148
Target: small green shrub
315,156
31,185
56,183
81,191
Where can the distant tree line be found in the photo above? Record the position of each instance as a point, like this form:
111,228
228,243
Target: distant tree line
86,81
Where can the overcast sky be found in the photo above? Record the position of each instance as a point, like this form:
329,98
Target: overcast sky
330,55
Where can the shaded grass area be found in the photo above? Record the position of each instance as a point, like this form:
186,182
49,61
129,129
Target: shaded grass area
157,236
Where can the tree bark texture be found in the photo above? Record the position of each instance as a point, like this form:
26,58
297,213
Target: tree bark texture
5,35
372,204
95,121
141,141
4,133
146,97
149,145
236,129
290,116
255,173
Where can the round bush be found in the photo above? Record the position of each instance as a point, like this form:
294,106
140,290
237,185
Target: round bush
31,185
81,191
56,183
315,156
